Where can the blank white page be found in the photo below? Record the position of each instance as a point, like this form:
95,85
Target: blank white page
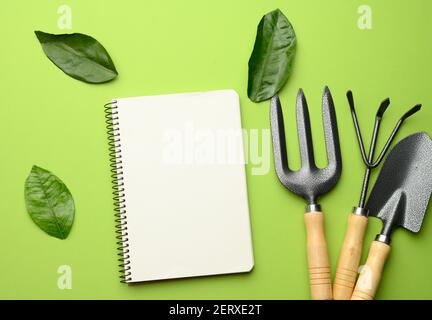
185,186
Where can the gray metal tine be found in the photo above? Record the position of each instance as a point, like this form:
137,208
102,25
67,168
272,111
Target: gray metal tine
304,132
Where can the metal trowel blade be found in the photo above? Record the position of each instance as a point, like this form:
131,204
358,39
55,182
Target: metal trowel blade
401,193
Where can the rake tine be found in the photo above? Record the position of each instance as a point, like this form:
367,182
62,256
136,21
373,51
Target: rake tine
380,112
304,131
382,108
357,127
406,115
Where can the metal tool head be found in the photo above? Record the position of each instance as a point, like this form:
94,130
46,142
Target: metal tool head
401,193
369,161
378,118
310,181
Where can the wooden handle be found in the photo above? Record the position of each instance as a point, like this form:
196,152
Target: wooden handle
370,275
318,261
349,258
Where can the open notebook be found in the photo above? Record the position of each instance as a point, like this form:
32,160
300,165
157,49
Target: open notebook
180,185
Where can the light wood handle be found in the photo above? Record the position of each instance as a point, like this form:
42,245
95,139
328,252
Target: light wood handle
318,261
349,258
370,276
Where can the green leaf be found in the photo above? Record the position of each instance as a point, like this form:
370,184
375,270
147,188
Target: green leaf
271,61
78,55
49,203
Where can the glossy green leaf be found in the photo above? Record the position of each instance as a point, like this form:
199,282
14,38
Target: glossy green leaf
271,62
78,55
49,203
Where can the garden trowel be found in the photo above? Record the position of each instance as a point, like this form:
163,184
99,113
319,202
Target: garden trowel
399,198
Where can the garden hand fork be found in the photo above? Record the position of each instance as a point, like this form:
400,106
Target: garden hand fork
310,182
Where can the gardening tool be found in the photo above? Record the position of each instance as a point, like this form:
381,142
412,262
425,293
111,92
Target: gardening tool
310,182
349,258
399,198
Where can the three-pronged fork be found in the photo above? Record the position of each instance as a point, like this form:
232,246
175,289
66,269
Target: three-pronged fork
310,182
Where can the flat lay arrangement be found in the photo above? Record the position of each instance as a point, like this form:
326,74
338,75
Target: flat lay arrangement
399,198
170,161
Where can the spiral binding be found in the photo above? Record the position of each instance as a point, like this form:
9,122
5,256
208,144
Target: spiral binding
111,116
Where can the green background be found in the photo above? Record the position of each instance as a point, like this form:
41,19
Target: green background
159,46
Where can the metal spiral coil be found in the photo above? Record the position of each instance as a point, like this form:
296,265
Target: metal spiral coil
114,147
